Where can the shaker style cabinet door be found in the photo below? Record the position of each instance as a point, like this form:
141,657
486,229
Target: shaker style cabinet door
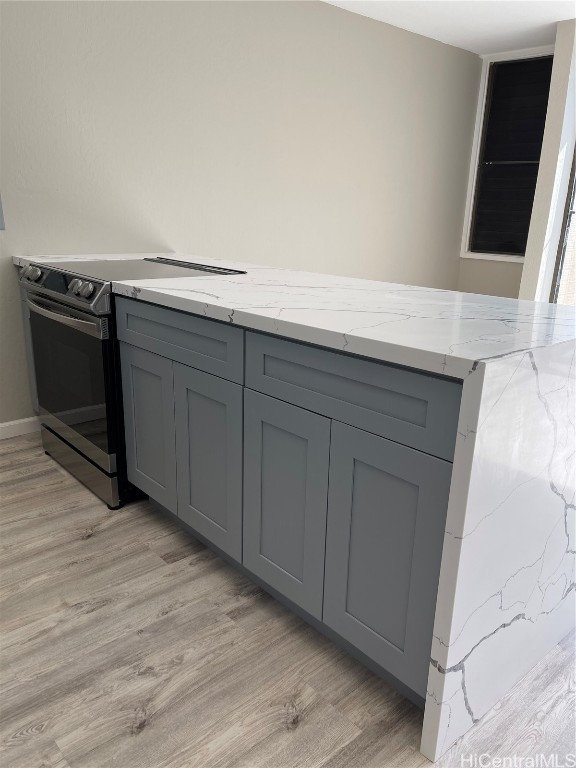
386,518
286,452
209,450
148,391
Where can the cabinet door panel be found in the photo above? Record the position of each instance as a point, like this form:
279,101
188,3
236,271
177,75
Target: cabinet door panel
286,451
386,519
209,449
148,392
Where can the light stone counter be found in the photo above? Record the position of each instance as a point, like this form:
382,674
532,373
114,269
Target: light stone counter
440,331
506,592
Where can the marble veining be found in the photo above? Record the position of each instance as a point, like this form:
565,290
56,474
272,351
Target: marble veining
507,582
440,331
506,593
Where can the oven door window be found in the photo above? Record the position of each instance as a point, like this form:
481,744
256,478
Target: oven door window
71,381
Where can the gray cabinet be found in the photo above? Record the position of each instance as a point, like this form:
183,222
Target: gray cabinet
183,433
209,455
204,344
321,483
148,390
286,453
386,517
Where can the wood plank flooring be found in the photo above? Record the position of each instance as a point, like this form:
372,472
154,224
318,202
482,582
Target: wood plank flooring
127,643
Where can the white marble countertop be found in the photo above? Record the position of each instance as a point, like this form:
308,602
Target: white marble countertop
440,331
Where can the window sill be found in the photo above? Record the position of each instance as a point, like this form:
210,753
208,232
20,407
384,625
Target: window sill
492,257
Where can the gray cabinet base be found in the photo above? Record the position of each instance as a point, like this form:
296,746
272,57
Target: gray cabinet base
337,639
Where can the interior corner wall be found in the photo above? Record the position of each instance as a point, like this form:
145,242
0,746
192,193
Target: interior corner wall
294,134
493,278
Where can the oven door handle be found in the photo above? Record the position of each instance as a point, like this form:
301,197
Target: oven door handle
96,328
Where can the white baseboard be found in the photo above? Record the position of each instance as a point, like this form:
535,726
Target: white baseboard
20,427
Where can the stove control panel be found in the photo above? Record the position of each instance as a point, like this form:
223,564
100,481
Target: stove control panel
76,290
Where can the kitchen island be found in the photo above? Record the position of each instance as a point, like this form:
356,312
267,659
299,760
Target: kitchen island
490,385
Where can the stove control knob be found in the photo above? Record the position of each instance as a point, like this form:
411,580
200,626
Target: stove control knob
75,285
86,290
34,273
25,271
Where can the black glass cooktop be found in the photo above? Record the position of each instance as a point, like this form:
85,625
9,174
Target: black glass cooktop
139,269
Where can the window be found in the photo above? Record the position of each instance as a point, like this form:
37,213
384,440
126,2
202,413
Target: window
514,118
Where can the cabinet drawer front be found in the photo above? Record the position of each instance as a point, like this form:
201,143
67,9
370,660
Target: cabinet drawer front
386,518
204,344
148,392
408,407
209,449
286,452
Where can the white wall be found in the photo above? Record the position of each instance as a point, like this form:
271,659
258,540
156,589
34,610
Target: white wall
493,278
292,134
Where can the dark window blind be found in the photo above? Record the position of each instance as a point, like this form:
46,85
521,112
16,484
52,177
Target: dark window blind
515,114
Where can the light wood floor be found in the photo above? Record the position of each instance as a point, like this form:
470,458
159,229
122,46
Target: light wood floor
127,643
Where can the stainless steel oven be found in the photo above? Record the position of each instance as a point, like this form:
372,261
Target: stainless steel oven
72,360
75,361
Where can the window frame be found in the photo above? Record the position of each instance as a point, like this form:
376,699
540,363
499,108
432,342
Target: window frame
566,224
487,60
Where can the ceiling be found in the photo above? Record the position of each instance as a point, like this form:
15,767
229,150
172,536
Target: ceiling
481,26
